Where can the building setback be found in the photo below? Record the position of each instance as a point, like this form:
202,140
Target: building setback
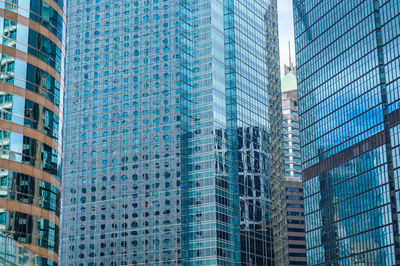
172,134
31,106
347,55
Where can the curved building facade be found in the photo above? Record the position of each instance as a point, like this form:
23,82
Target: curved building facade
32,51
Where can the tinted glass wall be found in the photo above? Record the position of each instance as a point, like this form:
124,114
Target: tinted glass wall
168,133
348,75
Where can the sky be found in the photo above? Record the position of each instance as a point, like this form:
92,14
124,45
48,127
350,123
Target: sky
286,32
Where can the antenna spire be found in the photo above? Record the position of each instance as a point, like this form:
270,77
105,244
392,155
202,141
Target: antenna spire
290,68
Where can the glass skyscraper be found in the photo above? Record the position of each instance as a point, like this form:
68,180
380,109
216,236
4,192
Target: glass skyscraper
172,134
348,83
31,111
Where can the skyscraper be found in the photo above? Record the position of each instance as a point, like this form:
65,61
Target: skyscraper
172,134
290,116
31,102
348,83
291,148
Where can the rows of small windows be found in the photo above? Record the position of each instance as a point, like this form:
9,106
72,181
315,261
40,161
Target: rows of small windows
292,213
94,104
122,15
293,197
150,46
294,206
292,189
114,161
161,112
152,206
292,221
132,235
157,172
158,157
156,130
154,174
135,144
113,258
157,78
107,193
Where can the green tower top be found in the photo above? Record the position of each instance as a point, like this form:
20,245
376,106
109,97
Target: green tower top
289,82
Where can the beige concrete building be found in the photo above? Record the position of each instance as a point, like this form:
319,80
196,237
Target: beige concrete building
294,190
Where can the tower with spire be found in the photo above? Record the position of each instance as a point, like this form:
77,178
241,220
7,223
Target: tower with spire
292,157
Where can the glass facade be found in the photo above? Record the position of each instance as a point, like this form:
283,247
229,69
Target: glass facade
172,134
348,76
32,34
